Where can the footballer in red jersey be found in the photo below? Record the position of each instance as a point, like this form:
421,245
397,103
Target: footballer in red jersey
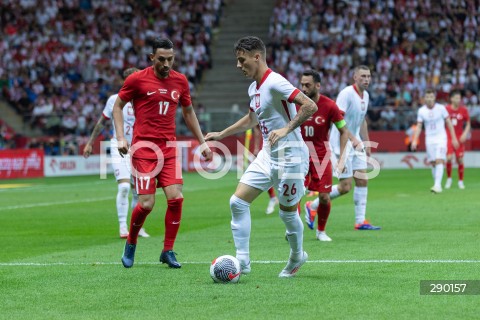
461,125
155,93
315,134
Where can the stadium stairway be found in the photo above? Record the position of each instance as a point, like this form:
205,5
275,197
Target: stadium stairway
15,121
224,85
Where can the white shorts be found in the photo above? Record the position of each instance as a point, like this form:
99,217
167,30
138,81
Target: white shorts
287,180
356,160
121,165
437,150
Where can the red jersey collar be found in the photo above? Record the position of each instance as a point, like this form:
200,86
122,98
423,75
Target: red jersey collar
356,90
265,75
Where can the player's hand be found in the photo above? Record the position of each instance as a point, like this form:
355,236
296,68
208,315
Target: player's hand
462,139
357,144
455,143
276,135
87,151
413,146
206,152
213,136
368,151
122,146
340,168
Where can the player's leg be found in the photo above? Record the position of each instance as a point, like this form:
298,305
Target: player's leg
122,175
312,182
344,179
170,179
254,181
461,167
323,212
440,155
144,181
291,181
449,165
360,192
142,233
272,202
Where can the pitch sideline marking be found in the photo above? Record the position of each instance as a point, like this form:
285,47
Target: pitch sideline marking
69,264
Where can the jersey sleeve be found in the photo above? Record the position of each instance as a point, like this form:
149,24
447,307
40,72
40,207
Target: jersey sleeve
419,116
127,92
108,110
466,115
342,101
286,89
185,98
336,114
445,113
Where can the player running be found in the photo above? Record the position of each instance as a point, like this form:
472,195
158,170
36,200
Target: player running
315,134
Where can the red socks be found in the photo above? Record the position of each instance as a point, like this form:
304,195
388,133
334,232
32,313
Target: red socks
172,222
271,192
139,215
461,169
322,213
449,169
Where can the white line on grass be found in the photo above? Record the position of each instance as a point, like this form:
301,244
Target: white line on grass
50,264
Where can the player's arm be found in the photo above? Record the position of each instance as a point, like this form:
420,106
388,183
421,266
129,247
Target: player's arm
307,108
191,121
465,132
450,128
365,136
242,125
416,135
117,114
344,137
87,151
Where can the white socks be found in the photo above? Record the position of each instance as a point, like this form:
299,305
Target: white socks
122,203
438,175
334,193
294,227
314,204
241,226
360,200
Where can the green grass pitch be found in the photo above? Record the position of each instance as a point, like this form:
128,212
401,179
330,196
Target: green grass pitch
60,254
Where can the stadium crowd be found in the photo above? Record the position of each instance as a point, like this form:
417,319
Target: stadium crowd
410,45
60,60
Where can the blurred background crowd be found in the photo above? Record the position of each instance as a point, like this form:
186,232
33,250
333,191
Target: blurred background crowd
60,60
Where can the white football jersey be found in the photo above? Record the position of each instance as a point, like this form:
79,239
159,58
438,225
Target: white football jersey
355,108
272,102
434,122
128,120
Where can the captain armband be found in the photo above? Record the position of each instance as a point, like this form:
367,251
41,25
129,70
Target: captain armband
340,124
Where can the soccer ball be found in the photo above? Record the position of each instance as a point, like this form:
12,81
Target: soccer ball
225,269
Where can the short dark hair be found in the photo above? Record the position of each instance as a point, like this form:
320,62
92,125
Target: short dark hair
250,44
455,92
314,74
128,72
430,90
361,67
161,43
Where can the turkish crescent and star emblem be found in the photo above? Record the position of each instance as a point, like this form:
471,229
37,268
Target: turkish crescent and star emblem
175,95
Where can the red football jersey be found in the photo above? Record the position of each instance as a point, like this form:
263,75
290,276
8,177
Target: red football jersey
316,128
155,104
458,117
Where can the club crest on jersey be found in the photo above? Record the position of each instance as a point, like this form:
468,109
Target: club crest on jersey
363,105
175,95
257,100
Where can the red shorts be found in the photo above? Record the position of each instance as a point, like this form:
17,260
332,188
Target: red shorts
459,152
321,184
150,174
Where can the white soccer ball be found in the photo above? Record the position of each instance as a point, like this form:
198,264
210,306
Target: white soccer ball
225,269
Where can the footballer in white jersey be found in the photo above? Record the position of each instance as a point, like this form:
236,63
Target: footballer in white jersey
434,117
283,160
353,101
